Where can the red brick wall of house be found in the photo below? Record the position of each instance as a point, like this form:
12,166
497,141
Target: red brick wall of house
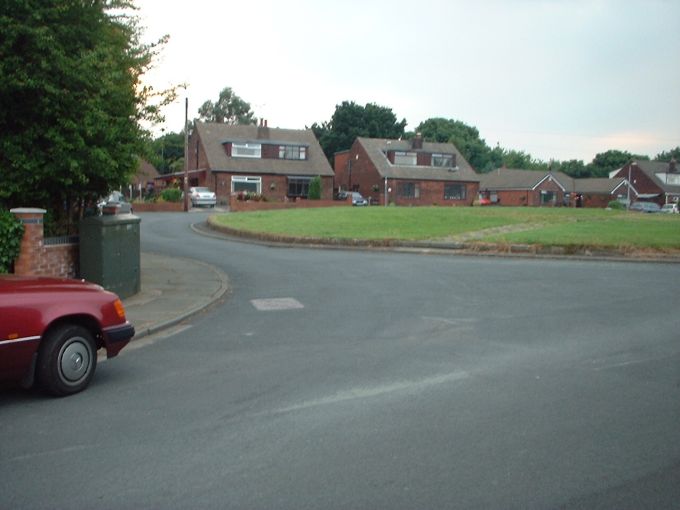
432,193
340,160
530,197
642,183
274,187
597,200
35,258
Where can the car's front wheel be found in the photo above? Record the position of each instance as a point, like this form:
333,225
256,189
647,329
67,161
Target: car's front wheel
67,360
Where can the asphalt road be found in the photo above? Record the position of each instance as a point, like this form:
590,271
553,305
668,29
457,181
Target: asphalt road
351,379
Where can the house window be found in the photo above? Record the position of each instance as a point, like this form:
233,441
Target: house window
405,158
408,190
454,192
298,186
246,150
292,152
251,184
442,160
548,197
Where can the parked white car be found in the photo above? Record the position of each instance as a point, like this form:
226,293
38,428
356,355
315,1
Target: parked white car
670,208
202,196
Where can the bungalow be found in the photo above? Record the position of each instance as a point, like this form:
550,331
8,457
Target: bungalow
406,172
525,187
277,164
599,192
655,181
536,188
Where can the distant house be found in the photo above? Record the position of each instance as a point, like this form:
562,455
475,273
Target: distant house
145,177
406,172
517,187
538,188
599,192
275,163
655,181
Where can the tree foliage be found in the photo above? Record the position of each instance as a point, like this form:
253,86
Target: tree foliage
605,162
228,109
668,155
314,192
71,101
166,152
11,233
351,120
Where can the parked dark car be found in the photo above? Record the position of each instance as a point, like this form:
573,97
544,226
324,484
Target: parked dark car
647,207
51,329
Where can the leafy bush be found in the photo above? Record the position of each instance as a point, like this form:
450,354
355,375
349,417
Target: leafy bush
171,195
314,188
11,232
616,205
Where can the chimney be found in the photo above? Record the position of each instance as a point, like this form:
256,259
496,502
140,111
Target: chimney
417,142
262,129
673,166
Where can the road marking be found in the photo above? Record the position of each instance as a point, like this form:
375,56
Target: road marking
377,391
271,304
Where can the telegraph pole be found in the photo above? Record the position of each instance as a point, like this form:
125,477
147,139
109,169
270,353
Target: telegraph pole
186,154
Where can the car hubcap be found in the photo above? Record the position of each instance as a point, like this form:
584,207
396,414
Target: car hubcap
75,361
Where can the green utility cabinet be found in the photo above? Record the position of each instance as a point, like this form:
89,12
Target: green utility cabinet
110,252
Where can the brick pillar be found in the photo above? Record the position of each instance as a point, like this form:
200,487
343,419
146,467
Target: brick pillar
31,252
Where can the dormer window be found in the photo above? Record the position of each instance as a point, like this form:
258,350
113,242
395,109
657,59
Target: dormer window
246,150
442,160
405,158
292,152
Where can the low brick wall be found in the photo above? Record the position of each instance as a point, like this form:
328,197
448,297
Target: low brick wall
158,207
251,205
38,259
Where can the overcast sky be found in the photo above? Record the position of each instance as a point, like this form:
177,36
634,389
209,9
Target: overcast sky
558,79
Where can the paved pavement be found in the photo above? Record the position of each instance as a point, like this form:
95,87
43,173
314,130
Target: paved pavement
173,289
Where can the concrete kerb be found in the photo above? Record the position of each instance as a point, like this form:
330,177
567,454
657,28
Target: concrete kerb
186,313
211,228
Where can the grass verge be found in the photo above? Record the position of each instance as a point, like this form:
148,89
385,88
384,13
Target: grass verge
564,227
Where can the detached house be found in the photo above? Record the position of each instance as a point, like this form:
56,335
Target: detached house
277,164
507,186
655,181
406,172
536,188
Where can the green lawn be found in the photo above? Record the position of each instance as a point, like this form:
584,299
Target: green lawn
554,226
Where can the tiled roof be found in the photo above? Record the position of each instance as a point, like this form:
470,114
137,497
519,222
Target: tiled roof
652,168
213,136
376,148
515,179
600,185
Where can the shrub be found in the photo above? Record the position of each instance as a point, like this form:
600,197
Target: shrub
616,205
314,188
171,195
11,232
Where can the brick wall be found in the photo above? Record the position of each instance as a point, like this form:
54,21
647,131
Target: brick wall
35,258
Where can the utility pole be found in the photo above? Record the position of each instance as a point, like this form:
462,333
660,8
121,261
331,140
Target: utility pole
186,154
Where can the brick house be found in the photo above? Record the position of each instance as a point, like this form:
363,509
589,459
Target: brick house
275,163
515,187
599,192
408,172
655,181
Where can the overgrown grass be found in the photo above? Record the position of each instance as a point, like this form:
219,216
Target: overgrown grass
549,226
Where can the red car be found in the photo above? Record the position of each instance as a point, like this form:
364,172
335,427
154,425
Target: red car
51,329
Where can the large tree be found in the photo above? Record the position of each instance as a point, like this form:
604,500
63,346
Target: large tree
351,120
228,109
71,101
465,138
166,152
605,162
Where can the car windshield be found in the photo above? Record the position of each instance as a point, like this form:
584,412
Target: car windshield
357,196
202,190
